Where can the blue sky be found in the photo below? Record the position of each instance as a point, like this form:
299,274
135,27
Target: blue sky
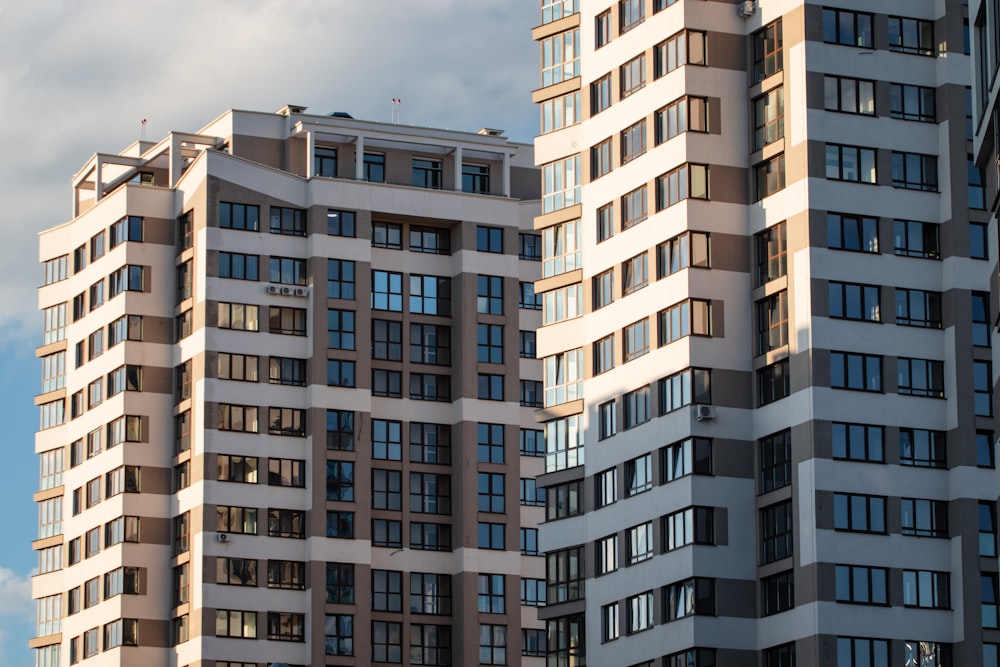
78,78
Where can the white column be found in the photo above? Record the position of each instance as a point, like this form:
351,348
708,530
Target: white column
176,160
458,169
506,174
98,189
359,158
310,154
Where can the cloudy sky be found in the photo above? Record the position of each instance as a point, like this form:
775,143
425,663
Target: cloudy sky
77,77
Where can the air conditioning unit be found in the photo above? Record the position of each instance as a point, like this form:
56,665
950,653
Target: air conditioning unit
222,537
273,289
300,291
747,8
286,290
703,412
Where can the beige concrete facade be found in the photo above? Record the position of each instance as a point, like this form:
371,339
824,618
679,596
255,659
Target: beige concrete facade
289,379
767,335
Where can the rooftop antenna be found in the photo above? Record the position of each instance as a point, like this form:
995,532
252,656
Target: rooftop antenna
397,104
142,130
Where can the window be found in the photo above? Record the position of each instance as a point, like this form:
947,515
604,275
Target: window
561,57
687,114
984,449
430,493
977,195
849,95
241,367
982,388
911,36
242,624
289,321
96,300
286,421
859,513
564,575
387,383
600,159
767,55
600,94
916,239
987,529
914,171
851,163
489,295
919,447
129,278
607,420
562,304
530,494
239,216
489,239
286,472
606,483
775,461
639,610
238,316
694,525
563,444
491,594
857,442
431,593
532,592
374,167
918,308
635,340
286,574
630,14
602,29
387,590
847,28
183,325
680,252
923,588
237,418
239,266
777,594
530,392
850,301
289,221
491,492
126,327
981,319
286,626
770,176
430,387
684,48
124,378
561,245
526,344
909,102
776,529
325,162
686,181
604,354
430,536
475,179
771,253
632,75
633,141
492,644
427,173
640,542
691,386
490,536
340,583
990,604
852,232
340,481
920,377
772,322
55,324
978,241
633,207
288,271
430,443
236,519
489,438
638,475
636,407
340,279
339,631
924,518
340,430
603,289
862,585
861,372
430,295
635,273
56,269
531,442
769,118
235,468
340,329
689,598
527,298
490,387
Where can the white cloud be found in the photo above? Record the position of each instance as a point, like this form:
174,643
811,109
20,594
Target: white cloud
79,76
17,614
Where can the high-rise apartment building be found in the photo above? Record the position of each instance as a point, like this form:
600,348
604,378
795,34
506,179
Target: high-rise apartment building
766,335
287,400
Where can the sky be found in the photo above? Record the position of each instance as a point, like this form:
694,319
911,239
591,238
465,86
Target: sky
79,77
